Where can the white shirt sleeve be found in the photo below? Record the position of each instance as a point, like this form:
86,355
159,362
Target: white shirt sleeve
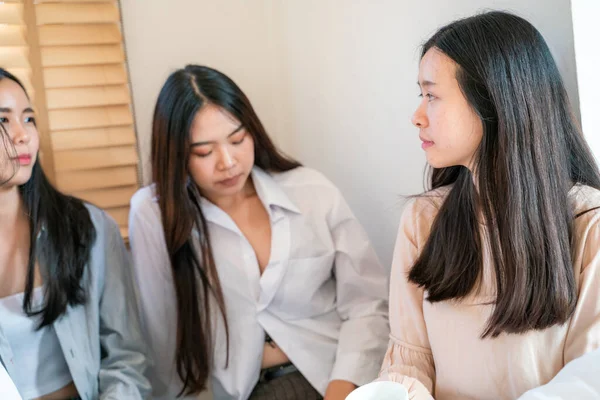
579,380
157,303
362,299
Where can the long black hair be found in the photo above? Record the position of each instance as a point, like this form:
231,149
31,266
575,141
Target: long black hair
61,236
184,93
531,155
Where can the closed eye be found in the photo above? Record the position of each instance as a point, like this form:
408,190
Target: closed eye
429,96
240,139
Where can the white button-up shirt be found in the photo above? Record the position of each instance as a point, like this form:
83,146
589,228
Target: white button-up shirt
322,297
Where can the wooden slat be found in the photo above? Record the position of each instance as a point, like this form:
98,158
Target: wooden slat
74,160
62,35
72,1
14,57
11,13
84,76
91,138
12,35
90,118
82,55
77,13
120,215
74,181
87,97
106,198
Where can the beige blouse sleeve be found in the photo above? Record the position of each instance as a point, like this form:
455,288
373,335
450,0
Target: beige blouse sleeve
584,328
409,360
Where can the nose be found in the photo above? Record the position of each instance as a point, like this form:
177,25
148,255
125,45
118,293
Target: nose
227,159
19,134
419,118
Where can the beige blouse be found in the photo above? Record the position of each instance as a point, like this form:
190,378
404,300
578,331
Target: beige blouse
436,349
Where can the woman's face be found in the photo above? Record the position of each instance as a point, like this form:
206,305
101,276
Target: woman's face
449,128
221,154
20,139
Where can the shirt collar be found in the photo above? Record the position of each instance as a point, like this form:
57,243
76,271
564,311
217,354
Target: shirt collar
270,191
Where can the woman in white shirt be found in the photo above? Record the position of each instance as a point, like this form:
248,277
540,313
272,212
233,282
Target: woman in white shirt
251,269
69,327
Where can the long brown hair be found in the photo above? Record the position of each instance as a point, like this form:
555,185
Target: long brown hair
195,275
531,155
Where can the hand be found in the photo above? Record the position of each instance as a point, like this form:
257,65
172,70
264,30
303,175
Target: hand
338,390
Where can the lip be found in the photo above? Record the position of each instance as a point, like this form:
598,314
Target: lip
24,159
426,143
231,181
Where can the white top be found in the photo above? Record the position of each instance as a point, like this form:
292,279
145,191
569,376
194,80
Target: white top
8,390
322,297
35,351
577,380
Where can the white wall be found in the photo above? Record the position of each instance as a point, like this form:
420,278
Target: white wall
334,81
587,54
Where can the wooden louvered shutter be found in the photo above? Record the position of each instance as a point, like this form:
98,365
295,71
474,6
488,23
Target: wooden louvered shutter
87,97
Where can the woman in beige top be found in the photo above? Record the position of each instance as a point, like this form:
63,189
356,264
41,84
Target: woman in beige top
495,282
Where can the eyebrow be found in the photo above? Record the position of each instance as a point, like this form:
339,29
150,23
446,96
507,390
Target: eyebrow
8,110
239,128
426,83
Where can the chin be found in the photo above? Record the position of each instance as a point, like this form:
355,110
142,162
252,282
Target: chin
21,178
437,164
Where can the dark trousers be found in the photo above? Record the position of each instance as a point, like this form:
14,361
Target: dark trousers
292,386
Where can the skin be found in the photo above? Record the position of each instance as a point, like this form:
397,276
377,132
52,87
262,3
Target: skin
449,128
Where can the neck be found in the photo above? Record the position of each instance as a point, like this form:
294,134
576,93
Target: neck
229,203
11,207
